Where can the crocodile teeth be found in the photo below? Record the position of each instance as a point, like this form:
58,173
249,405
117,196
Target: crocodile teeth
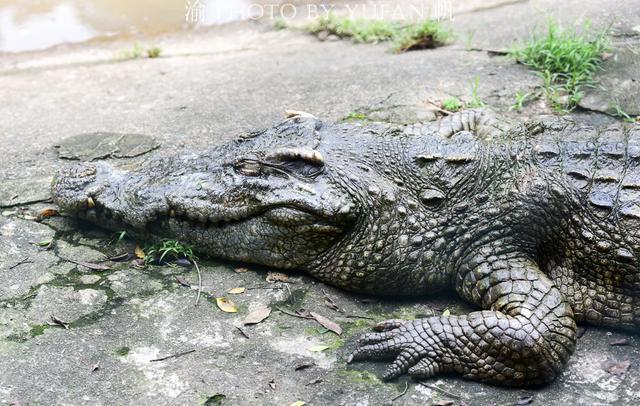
90,202
172,213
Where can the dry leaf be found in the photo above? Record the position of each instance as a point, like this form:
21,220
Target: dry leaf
119,257
226,305
95,367
183,262
242,332
331,304
318,348
46,213
90,265
240,270
298,403
139,252
58,322
236,291
326,323
524,400
182,282
272,384
304,365
619,341
313,381
444,402
257,315
277,277
616,367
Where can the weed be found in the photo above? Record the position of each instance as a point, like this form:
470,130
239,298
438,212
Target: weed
353,116
565,59
360,30
614,105
521,99
168,249
280,24
136,51
468,43
426,34
475,101
154,52
120,236
122,351
451,104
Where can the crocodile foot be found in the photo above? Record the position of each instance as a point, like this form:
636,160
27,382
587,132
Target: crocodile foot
414,346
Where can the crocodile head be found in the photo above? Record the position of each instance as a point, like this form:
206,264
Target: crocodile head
268,198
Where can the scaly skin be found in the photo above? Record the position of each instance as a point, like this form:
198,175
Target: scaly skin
538,225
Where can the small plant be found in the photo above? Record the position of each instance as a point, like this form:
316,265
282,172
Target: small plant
469,40
451,104
426,34
120,236
353,116
614,105
475,101
360,30
565,59
133,53
521,99
280,24
137,51
168,249
154,52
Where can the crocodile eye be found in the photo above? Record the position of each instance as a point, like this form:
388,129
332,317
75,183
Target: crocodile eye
297,161
248,167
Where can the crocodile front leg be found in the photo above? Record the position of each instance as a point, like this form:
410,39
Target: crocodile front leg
524,339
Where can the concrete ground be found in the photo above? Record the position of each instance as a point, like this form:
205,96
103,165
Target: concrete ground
209,86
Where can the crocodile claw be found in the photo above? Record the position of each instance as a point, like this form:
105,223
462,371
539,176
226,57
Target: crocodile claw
409,344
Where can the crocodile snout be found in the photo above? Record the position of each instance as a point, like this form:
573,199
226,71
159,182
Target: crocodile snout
75,187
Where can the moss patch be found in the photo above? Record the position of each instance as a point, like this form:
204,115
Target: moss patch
122,351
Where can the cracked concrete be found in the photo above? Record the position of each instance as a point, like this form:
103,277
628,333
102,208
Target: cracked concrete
210,86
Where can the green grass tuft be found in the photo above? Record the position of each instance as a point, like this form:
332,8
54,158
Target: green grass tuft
521,98
619,112
168,250
475,101
451,104
138,51
565,59
154,52
425,34
280,24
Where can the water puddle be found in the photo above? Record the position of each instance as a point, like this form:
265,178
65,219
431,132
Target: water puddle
37,24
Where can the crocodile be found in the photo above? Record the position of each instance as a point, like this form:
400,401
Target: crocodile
536,224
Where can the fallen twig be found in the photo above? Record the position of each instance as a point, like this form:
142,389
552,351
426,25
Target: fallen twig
437,389
357,316
244,334
180,354
25,260
199,283
441,110
93,267
290,294
57,322
404,392
294,314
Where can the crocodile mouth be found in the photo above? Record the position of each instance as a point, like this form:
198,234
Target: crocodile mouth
285,214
